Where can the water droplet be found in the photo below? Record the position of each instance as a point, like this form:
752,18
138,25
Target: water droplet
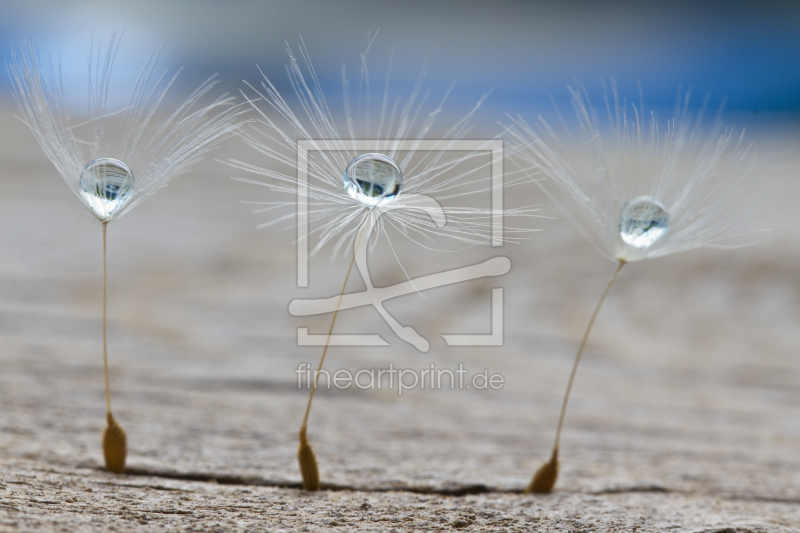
643,221
373,178
106,184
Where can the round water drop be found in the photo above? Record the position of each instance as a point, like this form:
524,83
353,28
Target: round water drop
373,178
106,185
643,221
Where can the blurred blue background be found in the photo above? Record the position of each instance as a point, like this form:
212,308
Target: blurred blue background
747,53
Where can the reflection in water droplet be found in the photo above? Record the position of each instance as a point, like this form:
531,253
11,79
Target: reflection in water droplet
106,185
643,221
373,178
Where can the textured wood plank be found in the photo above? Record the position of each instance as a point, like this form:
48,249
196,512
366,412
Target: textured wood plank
685,414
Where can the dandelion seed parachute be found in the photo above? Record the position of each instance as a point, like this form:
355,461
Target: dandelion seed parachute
399,130
113,159
152,143
700,175
638,190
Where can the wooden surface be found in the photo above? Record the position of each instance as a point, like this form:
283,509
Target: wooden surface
685,414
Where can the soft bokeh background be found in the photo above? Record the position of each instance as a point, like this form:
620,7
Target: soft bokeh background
743,51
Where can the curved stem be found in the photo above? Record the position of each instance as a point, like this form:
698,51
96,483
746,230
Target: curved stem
330,330
580,353
105,345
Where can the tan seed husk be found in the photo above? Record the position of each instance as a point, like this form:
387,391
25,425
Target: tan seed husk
308,463
545,478
115,446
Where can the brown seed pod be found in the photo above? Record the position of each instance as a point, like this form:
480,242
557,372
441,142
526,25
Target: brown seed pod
545,478
115,446
308,463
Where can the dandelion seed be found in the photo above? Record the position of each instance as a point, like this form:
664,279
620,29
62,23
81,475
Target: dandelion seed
112,170
355,193
639,191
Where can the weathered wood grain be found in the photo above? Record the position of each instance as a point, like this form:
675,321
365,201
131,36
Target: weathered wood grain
685,414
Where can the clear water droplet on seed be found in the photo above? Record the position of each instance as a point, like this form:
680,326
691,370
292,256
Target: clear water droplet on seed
106,185
643,221
373,178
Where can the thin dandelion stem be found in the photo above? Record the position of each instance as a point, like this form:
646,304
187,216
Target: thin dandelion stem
330,330
105,345
115,443
580,353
